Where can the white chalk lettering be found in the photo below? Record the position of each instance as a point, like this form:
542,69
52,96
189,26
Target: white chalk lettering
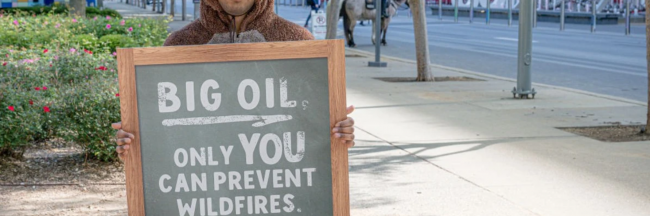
181,182
205,101
164,96
300,149
284,95
184,208
249,146
264,146
189,86
241,94
161,183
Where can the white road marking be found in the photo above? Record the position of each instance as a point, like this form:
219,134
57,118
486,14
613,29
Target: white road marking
510,39
262,120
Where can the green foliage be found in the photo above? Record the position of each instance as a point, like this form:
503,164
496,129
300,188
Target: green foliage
114,41
85,41
44,10
87,111
73,58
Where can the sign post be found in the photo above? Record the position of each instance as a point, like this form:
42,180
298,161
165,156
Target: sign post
319,24
235,129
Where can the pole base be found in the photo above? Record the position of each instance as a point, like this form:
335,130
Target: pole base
523,94
377,64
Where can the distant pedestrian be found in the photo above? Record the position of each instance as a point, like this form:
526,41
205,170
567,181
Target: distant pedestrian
314,4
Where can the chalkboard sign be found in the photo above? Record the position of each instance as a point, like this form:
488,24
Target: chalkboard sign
236,129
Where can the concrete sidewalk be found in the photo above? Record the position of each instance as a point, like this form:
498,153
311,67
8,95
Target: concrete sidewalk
469,148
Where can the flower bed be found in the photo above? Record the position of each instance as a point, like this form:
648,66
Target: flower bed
58,78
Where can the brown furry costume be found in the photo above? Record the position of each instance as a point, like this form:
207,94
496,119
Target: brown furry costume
216,26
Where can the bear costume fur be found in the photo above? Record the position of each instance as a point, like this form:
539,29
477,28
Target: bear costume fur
215,26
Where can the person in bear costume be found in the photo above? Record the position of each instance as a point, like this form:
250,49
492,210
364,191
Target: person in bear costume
238,21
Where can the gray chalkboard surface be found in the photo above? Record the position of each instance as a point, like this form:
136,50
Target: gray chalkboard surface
240,138
237,129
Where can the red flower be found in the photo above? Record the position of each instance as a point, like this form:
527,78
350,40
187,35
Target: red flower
46,109
50,65
45,51
101,68
44,88
37,88
4,63
88,51
117,95
11,108
31,102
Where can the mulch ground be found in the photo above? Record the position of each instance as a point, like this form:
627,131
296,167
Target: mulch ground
613,133
57,162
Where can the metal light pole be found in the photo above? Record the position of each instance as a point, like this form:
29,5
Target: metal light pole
524,58
562,15
487,13
440,9
471,11
456,10
535,5
509,12
593,16
627,17
184,8
377,62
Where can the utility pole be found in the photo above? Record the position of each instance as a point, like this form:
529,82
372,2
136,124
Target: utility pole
377,28
524,57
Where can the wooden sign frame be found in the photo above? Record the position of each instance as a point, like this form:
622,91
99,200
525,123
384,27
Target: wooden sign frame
333,50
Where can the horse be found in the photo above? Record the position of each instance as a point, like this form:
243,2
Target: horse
355,10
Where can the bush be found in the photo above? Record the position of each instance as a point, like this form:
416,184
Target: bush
73,59
115,40
59,93
43,10
88,109
85,41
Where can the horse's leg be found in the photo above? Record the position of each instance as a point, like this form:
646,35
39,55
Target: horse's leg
372,36
351,30
346,30
384,30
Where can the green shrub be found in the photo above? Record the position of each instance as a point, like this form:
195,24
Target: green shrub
115,40
88,109
111,13
41,10
80,98
85,41
21,112
50,50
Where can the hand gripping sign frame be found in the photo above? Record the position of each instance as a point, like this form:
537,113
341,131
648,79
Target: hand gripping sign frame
332,50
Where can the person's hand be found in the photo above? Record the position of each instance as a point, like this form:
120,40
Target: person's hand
123,141
344,130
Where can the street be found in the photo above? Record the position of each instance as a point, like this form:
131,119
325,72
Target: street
606,62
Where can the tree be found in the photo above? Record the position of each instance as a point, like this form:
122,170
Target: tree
647,39
78,8
333,14
421,40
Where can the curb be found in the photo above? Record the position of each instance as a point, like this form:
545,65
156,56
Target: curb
479,74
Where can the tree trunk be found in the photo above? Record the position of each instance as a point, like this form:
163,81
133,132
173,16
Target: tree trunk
647,39
421,40
78,8
333,14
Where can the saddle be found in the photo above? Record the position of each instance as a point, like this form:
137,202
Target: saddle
370,4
